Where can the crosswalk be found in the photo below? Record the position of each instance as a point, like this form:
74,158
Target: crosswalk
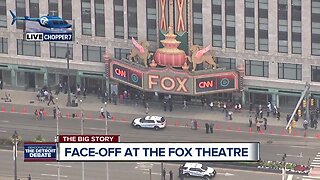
314,173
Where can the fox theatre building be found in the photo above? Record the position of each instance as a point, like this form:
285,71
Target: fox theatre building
172,73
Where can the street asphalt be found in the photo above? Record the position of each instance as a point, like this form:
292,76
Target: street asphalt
271,146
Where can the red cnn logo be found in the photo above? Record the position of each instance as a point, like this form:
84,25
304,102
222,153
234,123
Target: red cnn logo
120,72
205,84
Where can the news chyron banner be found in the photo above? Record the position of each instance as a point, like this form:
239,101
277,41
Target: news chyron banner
104,148
40,151
36,32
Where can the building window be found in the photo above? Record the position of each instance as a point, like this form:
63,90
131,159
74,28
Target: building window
121,53
283,26
132,19
53,7
59,50
3,45
289,71
197,22
228,63
21,12
151,20
3,14
216,23
34,8
118,19
28,48
99,15
249,25
257,68
86,17
66,9
93,53
315,73
263,25
230,24
315,28
296,26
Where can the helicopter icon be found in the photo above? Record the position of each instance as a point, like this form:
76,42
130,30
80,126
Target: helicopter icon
53,22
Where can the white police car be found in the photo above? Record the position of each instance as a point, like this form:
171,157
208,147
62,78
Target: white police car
198,170
155,122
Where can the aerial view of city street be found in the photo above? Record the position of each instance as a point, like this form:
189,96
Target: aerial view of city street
159,89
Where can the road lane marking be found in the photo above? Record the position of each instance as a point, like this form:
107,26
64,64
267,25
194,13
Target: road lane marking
290,155
53,175
3,131
100,129
226,174
56,165
159,174
290,177
303,147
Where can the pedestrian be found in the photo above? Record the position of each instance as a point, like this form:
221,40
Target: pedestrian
265,123
230,115
41,114
164,173
211,105
184,104
261,114
54,113
36,113
1,84
250,107
278,115
171,175
207,127
50,99
258,126
316,124
102,112
180,171
195,123
226,113
211,127
224,107
250,121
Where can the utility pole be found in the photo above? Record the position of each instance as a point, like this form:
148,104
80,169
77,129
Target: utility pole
82,131
106,119
68,71
284,163
15,146
161,166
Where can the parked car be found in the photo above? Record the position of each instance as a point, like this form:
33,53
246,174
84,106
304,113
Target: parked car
198,170
155,122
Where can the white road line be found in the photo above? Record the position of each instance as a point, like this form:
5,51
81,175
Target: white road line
58,165
5,121
159,174
53,175
303,147
290,177
315,163
3,131
100,129
289,155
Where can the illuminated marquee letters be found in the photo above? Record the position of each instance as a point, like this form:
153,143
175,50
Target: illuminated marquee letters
177,84
206,84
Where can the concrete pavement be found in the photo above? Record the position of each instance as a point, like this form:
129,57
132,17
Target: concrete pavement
92,103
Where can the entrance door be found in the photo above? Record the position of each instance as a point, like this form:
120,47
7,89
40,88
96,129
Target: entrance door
30,79
260,98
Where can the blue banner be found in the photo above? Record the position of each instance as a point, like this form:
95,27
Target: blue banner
40,151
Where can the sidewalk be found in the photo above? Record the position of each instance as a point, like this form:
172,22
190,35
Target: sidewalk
92,103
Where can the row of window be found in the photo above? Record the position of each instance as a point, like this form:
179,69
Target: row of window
95,54
285,70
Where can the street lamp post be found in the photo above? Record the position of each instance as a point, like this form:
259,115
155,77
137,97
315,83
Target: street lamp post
82,131
15,144
106,119
57,137
68,71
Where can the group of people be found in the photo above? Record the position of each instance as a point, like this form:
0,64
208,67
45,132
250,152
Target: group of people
164,174
258,123
45,95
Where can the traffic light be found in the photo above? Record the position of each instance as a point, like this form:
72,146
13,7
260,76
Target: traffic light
311,102
293,123
304,103
299,112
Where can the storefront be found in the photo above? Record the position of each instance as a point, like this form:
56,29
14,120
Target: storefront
92,81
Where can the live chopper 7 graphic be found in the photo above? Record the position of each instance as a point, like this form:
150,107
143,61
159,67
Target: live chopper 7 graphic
45,28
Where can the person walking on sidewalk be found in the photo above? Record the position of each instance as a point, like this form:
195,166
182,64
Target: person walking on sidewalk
265,123
258,126
50,99
211,127
184,104
250,121
230,113
54,113
211,105
164,173
224,108
36,113
207,127
171,175
102,112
